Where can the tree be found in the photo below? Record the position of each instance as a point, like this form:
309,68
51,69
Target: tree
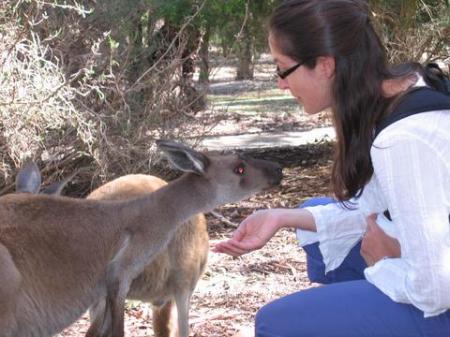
246,31
417,30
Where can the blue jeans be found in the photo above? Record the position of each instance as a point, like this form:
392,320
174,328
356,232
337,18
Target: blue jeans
348,306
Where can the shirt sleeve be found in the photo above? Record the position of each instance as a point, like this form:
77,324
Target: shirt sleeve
338,230
412,175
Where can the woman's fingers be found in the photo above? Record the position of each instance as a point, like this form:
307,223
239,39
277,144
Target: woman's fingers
372,217
230,247
371,223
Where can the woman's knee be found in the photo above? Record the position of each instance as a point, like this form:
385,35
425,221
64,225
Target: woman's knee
289,316
351,309
266,322
275,319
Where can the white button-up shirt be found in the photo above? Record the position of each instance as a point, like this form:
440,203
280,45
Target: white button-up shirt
411,160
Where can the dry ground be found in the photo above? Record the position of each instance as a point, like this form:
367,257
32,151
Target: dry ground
231,290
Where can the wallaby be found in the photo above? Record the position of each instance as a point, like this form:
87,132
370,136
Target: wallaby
29,179
59,256
169,280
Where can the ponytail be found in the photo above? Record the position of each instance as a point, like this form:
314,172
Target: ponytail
435,77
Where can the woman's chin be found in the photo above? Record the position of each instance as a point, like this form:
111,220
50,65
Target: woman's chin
309,110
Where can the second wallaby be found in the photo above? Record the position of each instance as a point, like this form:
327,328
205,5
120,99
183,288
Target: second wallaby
170,278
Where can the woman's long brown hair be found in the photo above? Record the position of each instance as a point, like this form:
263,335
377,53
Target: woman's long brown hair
307,29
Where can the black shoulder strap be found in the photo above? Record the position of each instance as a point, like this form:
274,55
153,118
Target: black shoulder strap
417,101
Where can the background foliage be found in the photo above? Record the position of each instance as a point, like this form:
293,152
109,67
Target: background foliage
90,84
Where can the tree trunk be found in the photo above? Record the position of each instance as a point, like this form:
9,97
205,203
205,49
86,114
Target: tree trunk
245,67
204,58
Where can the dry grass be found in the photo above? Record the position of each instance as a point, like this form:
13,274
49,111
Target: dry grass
69,98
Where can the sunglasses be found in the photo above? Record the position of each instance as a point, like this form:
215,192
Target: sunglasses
285,73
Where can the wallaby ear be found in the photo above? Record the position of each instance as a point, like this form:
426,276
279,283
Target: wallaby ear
57,187
28,180
54,188
184,158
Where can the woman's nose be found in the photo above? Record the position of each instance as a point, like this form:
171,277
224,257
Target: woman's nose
282,84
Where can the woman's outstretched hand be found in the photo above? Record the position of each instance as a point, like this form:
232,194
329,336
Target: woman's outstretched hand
376,244
252,234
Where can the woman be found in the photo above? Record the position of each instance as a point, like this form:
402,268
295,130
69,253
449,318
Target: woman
385,278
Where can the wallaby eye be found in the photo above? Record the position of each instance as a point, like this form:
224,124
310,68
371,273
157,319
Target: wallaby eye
240,169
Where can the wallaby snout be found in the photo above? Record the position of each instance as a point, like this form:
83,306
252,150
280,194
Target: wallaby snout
272,170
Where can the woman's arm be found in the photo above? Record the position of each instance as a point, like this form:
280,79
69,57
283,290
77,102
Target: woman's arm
257,229
338,230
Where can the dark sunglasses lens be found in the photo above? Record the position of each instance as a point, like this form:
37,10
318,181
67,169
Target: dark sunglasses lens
287,72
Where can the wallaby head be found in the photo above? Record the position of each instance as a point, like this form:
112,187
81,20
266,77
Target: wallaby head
231,177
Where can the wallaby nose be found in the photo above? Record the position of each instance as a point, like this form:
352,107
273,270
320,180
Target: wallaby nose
272,170
277,175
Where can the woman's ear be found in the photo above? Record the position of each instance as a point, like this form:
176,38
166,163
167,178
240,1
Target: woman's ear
327,66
